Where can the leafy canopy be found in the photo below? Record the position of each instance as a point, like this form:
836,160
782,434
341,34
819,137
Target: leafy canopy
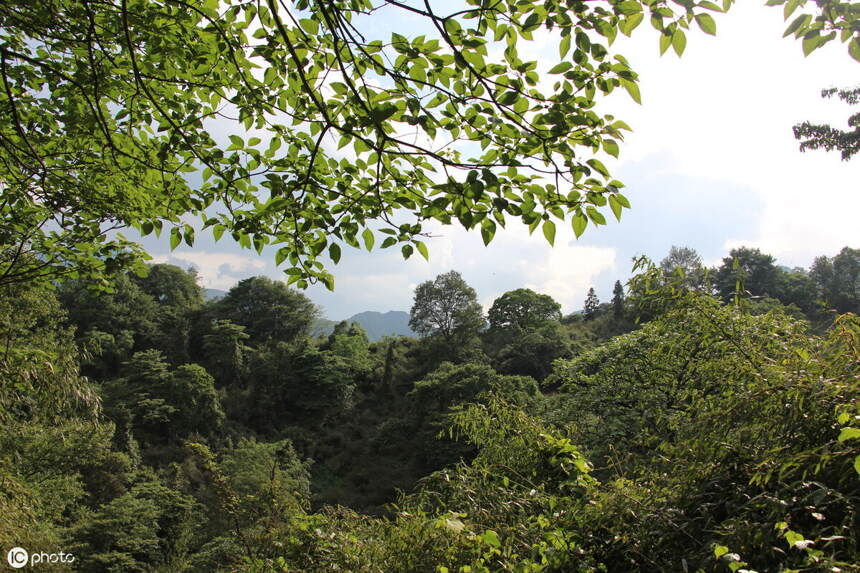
332,133
446,306
522,308
109,111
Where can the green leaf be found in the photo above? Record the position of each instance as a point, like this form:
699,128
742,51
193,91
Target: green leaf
811,42
422,248
707,24
218,231
549,231
407,251
849,434
720,550
615,205
610,146
310,26
797,24
631,23
488,231
629,7
665,42
595,215
789,9
560,68
633,89
328,281
491,538
383,112
280,255
598,166
334,252
854,49
564,46
367,236
793,537
579,223
679,42
175,238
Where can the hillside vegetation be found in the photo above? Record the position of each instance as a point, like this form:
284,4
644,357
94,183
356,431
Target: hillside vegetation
704,420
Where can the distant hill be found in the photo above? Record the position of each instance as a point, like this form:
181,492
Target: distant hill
379,324
213,293
376,324
322,327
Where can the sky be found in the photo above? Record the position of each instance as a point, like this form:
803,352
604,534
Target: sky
711,164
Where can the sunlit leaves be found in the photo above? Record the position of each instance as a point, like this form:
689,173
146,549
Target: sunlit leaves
305,133
334,252
422,248
610,146
706,23
854,49
632,89
368,238
579,222
835,19
548,229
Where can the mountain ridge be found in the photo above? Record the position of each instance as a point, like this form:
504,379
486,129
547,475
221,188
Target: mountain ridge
376,324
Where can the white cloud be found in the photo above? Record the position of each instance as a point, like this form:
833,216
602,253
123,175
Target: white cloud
569,271
217,270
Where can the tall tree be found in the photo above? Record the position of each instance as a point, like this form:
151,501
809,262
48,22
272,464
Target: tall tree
522,308
225,352
797,287
178,298
838,279
683,267
446,307
592,303
269,310
618,300
165,403
752,270
349,341
170,285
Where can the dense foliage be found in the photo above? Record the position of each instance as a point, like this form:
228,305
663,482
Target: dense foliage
694,422
703,420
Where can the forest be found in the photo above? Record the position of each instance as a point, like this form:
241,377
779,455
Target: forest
701,417
704,419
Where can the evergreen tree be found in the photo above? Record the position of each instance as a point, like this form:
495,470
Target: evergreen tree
618,300
591,304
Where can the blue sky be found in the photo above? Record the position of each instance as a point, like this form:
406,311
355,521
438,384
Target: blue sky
711,164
